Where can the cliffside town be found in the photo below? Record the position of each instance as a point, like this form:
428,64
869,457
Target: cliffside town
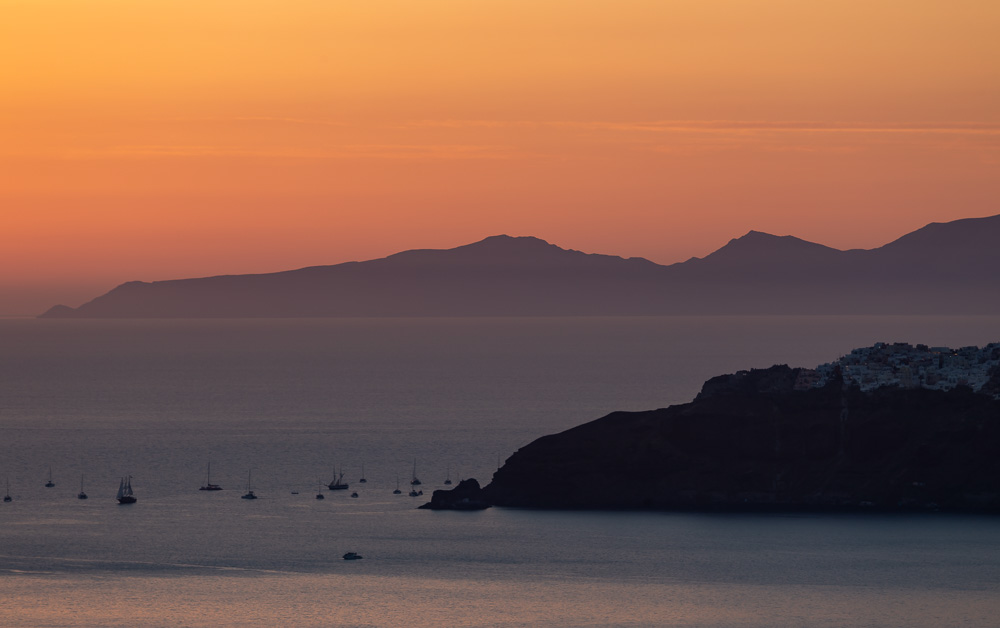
906,366
890,428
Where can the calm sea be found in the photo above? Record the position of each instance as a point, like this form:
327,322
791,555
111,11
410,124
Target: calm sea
289,403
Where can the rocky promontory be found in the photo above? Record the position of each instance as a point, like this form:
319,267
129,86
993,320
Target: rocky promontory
468,495
760,440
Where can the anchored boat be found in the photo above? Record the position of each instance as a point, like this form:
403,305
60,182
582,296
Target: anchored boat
338,483
250,493
125,495
415,481
208,480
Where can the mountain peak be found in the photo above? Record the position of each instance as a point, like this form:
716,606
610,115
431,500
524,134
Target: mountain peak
760,246
504,240
494,249
762,237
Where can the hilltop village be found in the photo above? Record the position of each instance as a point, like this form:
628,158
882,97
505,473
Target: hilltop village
907,366
915,428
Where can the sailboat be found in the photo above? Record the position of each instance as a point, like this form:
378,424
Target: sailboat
249,494
208,481
447,478
7,497
362,480
319,490
50,483
338,483
125,495
397,491
81,495
415,481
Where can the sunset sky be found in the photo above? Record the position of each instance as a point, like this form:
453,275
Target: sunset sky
162,139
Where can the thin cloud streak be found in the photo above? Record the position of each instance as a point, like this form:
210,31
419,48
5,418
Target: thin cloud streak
667,136
371,151
715,136
726,126
266,119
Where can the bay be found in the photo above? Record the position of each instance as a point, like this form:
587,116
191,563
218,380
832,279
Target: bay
293,401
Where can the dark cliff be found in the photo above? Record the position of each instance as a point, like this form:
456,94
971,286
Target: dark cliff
751,441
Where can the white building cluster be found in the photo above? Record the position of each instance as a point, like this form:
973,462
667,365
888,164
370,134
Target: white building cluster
903,365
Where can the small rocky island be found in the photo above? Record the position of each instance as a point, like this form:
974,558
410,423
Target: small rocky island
781,439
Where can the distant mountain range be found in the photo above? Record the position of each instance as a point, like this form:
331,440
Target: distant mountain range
943,268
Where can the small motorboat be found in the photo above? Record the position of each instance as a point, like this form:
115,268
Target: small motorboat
354,494
353,556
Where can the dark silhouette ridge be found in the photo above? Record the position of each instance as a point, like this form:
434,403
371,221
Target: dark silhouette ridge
466,496
768,247
943,268
752,441
60,311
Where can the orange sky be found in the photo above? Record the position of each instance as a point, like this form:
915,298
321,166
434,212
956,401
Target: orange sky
174,138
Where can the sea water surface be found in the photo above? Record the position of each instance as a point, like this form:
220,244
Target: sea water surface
288,403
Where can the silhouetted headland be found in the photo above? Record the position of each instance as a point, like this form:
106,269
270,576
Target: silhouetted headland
776,439
943,268
466,496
